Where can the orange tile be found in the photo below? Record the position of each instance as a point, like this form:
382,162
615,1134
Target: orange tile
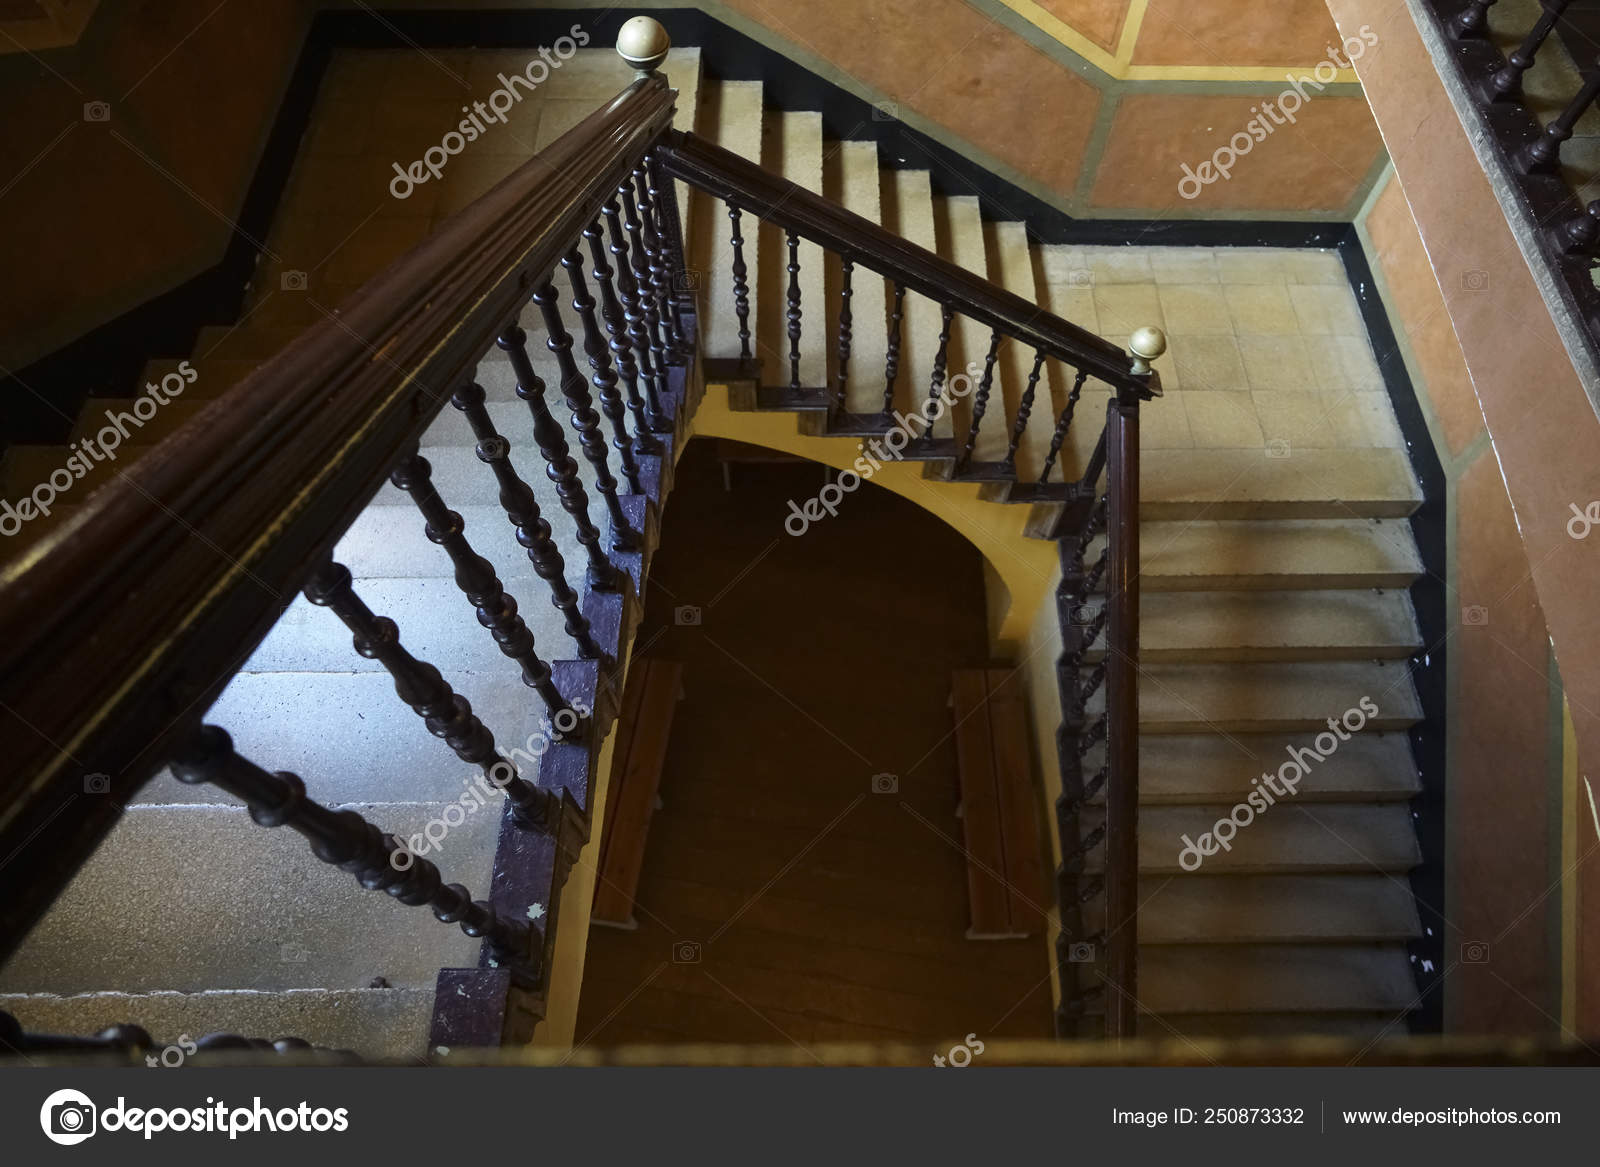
1226,32
1099,20
1316,164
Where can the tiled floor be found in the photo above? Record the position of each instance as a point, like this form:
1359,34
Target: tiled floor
1268,350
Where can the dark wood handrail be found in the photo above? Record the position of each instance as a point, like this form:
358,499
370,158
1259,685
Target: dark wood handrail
745,184
121,627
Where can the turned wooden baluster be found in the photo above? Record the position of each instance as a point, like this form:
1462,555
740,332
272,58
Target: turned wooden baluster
633,313
1024,409
604,378
980,403
1063,424
659,287
522,508
669,230
741,285
560,467
891,365
1582,232
346,840
1506,85
584,419
794,312
941,360
644,442
1474,19
1545,152
846,268
645,291
446,713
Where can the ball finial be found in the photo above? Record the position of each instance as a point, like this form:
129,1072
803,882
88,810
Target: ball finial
643,43
1146,345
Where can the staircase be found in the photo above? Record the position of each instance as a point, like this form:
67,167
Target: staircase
1275,562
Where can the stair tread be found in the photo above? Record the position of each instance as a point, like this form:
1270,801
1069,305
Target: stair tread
852,169
792,147
730,116
1213,768
1210,555
1289,625
1248,979
1245,483
1011,267
1200,909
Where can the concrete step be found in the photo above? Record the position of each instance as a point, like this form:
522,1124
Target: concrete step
1249,484
116,414
213,375
352,739
377,1024
1272,697
244,341
1206,555
959,224
907,201
792,147
1285,839
851,178
730,116
1276,626
1276,978
1011,266
1213,769
195,899
1281,909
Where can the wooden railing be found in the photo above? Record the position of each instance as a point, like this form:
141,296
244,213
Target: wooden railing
121,627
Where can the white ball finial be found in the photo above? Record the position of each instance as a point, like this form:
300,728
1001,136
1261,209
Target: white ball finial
1146,345
643,43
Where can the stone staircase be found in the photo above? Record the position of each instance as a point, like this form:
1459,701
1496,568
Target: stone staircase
1275,599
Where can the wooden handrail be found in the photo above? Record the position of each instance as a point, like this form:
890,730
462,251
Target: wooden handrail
121,627
748,186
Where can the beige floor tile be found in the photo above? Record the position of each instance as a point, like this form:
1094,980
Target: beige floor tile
1123,308
1195,309
1277,363
1118,265
1164,424
1362,421
1065,265
1074,302
1301,419
1315,267
1183,265
1204,363
355,74
1261,309
374,246
469,178
429,74
1223,420
1344,363
1251,265
558,115
1325,310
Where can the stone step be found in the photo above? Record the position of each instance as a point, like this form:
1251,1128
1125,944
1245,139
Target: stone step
200,898
212,375
1275,978
1285,839
377,1024
1011,266
730,116
1275,626
1271,697
907,202
851,178
117,415
959,223
1207,555
1281,909
1249,484
1212,769
792,147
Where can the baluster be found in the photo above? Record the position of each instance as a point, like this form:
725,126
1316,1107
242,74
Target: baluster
1506,85
560,467
347,841
446,713
741,285
892,360
1024,409
794,310
1582,232
659,287
940,361
644,442
664,193
604,379
846,268
1545,152
638,327
522,508
980,403
1474,19
644,289
584,419
1063,424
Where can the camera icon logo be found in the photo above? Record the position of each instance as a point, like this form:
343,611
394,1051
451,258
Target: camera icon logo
1080,952
1080,277
1474,281
97,783
1475,952
294,281
885,784
886,111
687,281
96,111
1474,616
686,952
292,953
68,1117
686,616
1083,615
1278,448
